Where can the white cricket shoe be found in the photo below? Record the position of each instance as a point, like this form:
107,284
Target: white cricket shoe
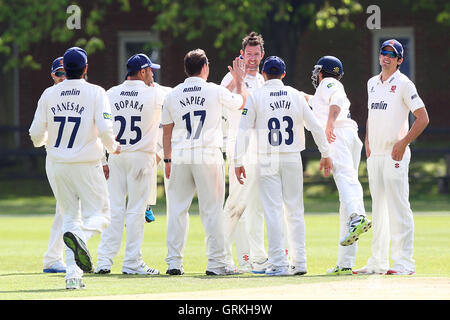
58,267
260,267
296,271
74,284
277,271
224,271
246,267
142,269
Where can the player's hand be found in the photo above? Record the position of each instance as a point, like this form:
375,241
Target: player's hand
167,169
398,150
326,164
117,150
240,174
237,70
106,171
367,147
329,131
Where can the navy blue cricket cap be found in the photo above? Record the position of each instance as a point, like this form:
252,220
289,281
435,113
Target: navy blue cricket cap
138,62
394,44
57,64
274,65
75,58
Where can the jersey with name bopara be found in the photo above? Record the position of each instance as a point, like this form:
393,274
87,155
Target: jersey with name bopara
136,111
195,108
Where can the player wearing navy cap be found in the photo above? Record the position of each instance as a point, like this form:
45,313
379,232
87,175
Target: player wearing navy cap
279,113
332,108
58,73
54,257
391,97
136,110
69,120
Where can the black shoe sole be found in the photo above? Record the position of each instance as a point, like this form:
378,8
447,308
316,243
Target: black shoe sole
80,251
174,272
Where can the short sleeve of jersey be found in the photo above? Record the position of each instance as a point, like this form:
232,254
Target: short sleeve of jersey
166,117
330,92
411,97
248,115
226,80
228,99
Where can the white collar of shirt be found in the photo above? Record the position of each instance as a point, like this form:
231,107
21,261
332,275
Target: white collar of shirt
194,79
73,81
274,83
134,82
390,79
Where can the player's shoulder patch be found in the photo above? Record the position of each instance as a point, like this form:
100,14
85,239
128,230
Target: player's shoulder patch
330,84
107,116
244,111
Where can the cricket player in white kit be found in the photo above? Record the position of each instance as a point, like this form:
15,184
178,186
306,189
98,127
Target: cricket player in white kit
192,141
136,110
54,256
243,213
70,118
332,108
391,96
279,114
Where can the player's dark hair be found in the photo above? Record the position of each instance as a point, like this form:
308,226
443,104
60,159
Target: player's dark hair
273,76
74,73
326,74
253,39
194,61
133,73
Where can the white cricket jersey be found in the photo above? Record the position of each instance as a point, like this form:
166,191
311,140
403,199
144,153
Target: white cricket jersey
331,92
279,114
70,118
389,104
234,116
195,109
136,110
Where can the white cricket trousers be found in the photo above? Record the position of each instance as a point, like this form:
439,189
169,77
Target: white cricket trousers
55,249
130,174
201,170
281,183
81,185
244,217
392,217
346,156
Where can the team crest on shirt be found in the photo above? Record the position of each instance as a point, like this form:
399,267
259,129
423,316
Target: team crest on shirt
393,88
397,165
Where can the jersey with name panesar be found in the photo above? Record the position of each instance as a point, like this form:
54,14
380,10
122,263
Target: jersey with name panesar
195,108
70,118
136,110
389,104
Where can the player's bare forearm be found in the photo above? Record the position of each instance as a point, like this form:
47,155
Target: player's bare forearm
332,116
167,147
417,128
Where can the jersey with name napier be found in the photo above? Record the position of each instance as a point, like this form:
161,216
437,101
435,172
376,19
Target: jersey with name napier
136,110
389,104
69,119
195,108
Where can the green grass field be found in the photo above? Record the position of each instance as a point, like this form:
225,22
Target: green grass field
24,241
